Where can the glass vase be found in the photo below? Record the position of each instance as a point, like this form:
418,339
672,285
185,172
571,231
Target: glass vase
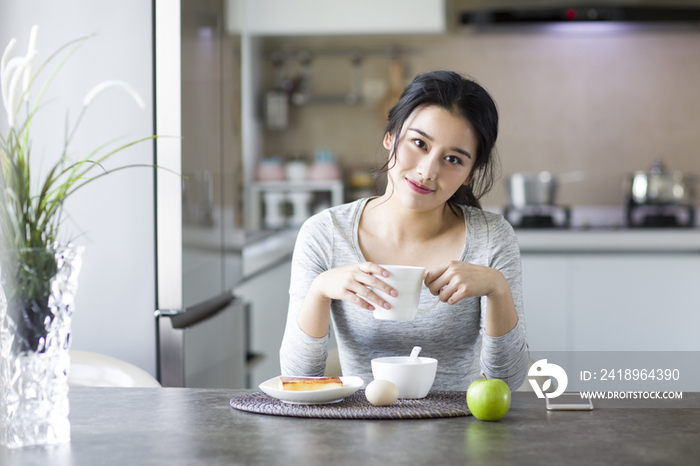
37,292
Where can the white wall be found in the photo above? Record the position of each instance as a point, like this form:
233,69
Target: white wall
113,217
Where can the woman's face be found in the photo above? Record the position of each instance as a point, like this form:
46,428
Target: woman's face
434,157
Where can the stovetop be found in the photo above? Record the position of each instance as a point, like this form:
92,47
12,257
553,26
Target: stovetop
601,217
538,216
660,216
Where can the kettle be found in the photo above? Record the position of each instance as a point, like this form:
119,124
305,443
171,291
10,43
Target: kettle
660,186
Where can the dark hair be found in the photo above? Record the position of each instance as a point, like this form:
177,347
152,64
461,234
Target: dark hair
457,94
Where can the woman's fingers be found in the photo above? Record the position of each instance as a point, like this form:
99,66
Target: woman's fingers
377,283
451,282
367,292
453,293
459,280
434,274
356,284
437,279
358,300
372,268
369,278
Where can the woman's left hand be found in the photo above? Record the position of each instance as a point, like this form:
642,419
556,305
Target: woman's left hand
457,280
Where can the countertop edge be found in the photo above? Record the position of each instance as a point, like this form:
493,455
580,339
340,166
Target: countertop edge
645,241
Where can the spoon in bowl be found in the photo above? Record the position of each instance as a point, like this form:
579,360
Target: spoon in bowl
413,358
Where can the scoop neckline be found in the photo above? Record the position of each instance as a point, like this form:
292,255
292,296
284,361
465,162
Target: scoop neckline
362,203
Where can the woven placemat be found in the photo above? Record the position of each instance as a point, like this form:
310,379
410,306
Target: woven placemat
356,406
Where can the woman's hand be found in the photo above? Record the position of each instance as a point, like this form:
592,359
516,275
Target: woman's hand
350,283
458,280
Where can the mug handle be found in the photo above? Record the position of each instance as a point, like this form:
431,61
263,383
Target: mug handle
437,300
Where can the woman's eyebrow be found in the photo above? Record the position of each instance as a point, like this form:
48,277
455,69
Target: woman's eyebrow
456,149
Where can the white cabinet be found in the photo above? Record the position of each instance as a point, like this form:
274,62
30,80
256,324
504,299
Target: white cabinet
335,17
546,281
612,301
268,297
640,302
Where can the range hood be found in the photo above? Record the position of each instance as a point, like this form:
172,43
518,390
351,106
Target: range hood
532,12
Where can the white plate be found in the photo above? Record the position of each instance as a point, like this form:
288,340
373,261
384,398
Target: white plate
312,397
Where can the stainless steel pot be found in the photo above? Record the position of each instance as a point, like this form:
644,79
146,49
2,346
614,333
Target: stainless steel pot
539,189
660,187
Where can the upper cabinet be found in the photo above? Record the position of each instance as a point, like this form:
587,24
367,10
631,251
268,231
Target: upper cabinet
335,17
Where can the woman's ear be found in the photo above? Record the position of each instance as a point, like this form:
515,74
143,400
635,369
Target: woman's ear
388,141
469,178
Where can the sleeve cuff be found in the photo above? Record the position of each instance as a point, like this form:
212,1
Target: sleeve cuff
506,357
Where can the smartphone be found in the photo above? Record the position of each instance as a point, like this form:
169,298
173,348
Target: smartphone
569,402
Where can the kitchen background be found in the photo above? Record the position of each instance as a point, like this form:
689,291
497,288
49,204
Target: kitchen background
607,103
604,101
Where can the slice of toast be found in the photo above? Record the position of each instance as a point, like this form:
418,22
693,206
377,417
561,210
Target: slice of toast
309,383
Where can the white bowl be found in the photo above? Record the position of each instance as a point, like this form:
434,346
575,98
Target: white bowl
413,380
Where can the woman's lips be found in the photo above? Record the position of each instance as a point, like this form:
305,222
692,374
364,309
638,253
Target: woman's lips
419,188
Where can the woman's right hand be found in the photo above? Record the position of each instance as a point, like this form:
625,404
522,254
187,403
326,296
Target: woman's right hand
351,283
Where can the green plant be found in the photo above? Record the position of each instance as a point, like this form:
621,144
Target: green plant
31,207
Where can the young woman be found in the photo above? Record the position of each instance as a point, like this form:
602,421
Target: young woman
440,139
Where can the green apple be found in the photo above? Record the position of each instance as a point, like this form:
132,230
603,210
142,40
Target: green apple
488,399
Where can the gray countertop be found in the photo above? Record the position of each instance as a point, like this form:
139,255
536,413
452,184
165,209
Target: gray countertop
609,240
176,426
624,240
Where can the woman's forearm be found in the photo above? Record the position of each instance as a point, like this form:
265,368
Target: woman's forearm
501,315
314,315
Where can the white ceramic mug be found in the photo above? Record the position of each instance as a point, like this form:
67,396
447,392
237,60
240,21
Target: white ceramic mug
407,281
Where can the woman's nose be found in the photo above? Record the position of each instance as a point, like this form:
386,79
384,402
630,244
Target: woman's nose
428,167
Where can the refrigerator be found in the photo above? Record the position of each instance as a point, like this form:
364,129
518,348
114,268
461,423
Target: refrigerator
201,325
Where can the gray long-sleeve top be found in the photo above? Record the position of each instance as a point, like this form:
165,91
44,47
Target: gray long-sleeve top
452,334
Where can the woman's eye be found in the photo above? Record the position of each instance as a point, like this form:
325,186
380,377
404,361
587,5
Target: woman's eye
453,159
420,143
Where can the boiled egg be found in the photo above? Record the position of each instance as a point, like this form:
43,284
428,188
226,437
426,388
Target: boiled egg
381,392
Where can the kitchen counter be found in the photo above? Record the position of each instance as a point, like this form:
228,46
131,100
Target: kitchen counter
278,245
180,426
257,250
600,229
273,249
609,240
